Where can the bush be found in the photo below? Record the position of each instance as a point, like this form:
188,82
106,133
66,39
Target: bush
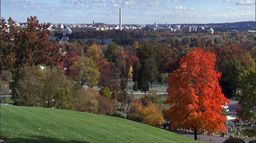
7,101
149,114
5,78
105,91
151,97
152,115
29,86
86,101
47,87
106,105
135,112
234,140
249,132
58,91
91,101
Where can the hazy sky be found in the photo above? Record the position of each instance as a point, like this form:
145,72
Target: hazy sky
134,11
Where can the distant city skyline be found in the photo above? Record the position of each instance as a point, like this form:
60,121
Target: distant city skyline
133,11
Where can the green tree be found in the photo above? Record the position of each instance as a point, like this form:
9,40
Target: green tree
105,91
230,70
111,53
58,91
48,87
148,71
29,87
87,71
247,94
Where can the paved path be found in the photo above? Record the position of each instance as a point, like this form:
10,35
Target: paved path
205,138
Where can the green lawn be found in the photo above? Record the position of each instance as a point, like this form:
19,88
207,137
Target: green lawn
42,125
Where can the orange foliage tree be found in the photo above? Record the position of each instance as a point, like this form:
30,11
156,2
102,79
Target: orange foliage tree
194,94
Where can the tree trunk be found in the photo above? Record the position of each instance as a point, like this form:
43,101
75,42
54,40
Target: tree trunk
195,134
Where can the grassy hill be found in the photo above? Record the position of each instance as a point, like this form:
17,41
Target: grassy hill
42,125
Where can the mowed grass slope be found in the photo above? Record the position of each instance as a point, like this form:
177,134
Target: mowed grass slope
33,125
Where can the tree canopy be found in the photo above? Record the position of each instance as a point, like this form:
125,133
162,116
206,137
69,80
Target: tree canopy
194,94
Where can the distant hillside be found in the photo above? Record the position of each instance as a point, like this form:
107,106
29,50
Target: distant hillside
239,26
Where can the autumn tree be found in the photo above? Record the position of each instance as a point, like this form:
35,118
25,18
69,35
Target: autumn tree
110,75
194,94
164,57
28,45
71,57
126,59
94,52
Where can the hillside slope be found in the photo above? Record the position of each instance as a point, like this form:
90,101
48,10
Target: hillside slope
41,125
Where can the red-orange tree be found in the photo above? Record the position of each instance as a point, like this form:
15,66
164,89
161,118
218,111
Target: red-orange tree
194,94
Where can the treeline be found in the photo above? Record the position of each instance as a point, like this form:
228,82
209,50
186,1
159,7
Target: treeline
93,77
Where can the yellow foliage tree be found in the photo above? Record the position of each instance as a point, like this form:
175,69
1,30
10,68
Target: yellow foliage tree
94,52
149,114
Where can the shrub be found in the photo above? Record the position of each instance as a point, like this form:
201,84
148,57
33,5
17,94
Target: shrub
233,140
7,101
86,101
149,114
47,87
58,91
135,112
249,132
5,78
29,86
91,101
106,105
151,97
152,115
105,91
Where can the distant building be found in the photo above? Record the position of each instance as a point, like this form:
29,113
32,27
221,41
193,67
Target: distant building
61,26
192,28
155,26
211,30
120,19
66,30
177,27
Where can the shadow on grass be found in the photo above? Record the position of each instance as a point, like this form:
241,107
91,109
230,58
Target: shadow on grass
41,139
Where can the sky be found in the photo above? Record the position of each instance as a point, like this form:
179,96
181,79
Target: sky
133,11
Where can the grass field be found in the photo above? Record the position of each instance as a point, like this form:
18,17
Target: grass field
42,125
